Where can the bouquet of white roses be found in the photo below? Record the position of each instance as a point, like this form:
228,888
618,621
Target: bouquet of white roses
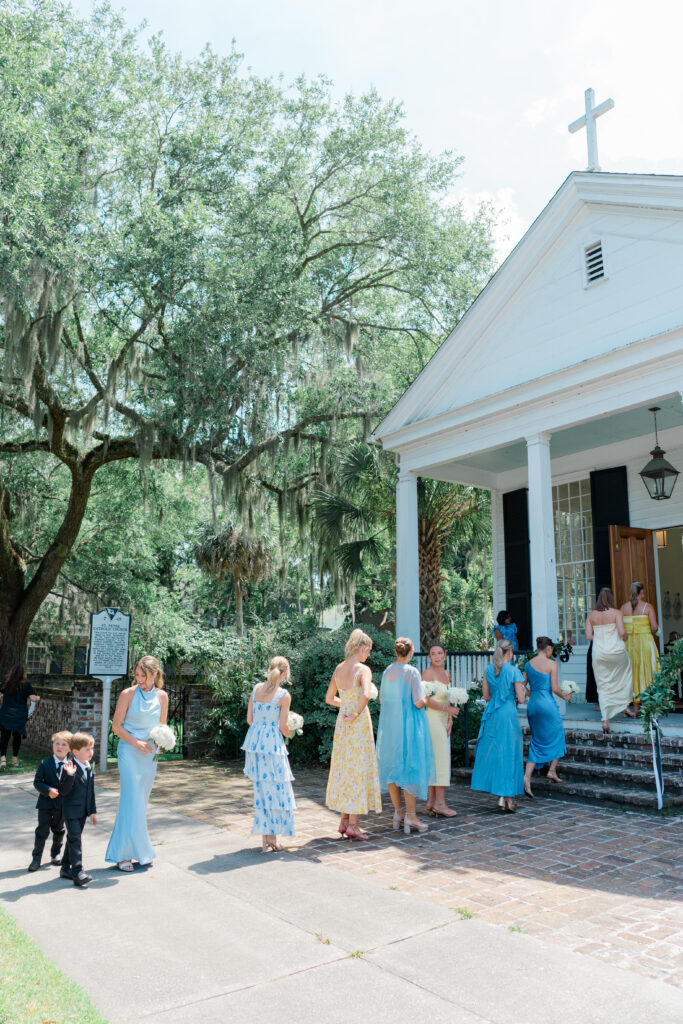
163,738
569,686
374,692
429,689
457,695
295,723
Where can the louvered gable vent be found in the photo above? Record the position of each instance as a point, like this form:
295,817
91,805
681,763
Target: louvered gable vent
595,264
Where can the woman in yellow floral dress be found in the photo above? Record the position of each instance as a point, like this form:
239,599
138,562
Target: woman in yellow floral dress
353,784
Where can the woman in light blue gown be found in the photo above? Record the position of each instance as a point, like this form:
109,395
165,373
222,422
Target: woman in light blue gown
547,744
138,709
405,756
499,754
266,757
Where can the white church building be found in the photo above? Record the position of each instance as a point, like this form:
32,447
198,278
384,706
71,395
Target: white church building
543,394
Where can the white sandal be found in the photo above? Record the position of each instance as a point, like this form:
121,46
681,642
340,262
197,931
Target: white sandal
125,865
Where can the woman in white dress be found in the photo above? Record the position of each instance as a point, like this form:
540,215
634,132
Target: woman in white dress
611,663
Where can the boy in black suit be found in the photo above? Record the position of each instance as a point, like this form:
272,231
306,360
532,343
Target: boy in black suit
49,806
78,797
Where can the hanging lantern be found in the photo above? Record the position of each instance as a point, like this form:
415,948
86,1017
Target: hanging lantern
659,476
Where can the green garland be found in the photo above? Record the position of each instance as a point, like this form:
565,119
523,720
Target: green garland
657,701
561,652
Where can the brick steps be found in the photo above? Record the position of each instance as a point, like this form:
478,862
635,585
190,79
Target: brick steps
615,769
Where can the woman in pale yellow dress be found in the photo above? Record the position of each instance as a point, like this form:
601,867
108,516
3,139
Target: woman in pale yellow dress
353,783
611,665
440,715
640,623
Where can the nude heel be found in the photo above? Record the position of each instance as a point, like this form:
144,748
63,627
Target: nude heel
417,825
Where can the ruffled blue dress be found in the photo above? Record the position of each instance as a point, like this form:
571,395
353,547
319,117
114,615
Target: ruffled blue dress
404,744
499,754
267,765
545,721
509,633
130,838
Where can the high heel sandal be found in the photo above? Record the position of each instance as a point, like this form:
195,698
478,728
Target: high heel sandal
417,825
443,812
527,790
270,844
606,728
553,777
398,821
343,825
510,805
353,832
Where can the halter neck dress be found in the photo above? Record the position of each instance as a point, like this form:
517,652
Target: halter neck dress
130,838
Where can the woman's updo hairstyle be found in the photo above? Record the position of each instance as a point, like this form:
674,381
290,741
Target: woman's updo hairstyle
357,640
149,664
636,590
275,670
502,647
403,646
543,642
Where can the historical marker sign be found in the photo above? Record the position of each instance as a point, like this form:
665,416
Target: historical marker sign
108,652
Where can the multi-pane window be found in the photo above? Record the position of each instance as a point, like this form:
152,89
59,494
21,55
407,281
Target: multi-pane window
36,658
574,557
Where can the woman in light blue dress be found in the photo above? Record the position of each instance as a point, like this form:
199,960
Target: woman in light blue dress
547,743
138,709
405,756
499,754
505,629
266,757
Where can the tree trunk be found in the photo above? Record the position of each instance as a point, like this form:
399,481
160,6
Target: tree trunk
431,576
239,616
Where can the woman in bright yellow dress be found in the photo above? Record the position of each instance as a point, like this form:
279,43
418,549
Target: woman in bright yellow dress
353,783
640,623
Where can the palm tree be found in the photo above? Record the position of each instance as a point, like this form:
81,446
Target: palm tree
355,522
246,557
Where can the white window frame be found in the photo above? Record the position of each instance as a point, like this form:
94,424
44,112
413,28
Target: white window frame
572,624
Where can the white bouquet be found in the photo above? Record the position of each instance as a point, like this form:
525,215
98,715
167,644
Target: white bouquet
374,692
163,738
569,686
429,689
295,723
457,695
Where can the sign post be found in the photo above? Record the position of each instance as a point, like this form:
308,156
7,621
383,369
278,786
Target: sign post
108,660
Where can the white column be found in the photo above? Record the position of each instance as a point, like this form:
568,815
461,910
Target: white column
544,613
407,562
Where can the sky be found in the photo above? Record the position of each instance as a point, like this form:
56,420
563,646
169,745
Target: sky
497,81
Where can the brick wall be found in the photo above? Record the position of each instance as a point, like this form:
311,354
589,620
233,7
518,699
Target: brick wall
66,702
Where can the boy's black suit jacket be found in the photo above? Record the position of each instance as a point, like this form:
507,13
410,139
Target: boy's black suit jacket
78,794
46,778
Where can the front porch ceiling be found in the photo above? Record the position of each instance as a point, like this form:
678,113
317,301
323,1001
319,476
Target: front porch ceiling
616,427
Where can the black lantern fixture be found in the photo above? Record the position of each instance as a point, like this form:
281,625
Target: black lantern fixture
659,476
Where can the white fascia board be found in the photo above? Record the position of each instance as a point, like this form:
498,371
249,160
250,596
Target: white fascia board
581,464
569,396
662,192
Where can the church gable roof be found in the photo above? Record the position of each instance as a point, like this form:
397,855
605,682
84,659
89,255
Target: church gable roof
541,312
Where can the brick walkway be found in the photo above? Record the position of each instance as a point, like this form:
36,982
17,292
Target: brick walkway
601,882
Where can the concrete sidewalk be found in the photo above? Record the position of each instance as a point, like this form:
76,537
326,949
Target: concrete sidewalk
217,931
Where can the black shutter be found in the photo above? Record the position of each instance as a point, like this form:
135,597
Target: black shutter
517,571
609,501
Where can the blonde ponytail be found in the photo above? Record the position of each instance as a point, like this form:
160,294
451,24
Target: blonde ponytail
277,667
502,647
636,590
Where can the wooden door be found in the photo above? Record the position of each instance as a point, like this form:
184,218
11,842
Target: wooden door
632,557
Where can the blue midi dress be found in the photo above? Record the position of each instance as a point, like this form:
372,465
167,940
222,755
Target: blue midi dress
499,754
267,765
404,744
545,721
130,838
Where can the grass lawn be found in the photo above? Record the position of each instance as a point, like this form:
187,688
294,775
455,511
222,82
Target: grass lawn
29,759
32,989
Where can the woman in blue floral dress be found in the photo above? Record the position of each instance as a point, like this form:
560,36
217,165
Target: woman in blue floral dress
267,760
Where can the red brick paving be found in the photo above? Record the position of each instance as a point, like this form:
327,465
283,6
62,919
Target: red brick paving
597,881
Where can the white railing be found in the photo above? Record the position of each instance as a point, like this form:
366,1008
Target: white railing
466,668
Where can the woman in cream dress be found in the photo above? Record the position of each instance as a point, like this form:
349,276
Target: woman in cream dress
605,627
440,715
640,622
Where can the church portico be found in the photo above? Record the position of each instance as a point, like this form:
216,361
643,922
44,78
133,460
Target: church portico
542,395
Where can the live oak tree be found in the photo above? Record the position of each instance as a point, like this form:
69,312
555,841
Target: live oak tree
201,266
